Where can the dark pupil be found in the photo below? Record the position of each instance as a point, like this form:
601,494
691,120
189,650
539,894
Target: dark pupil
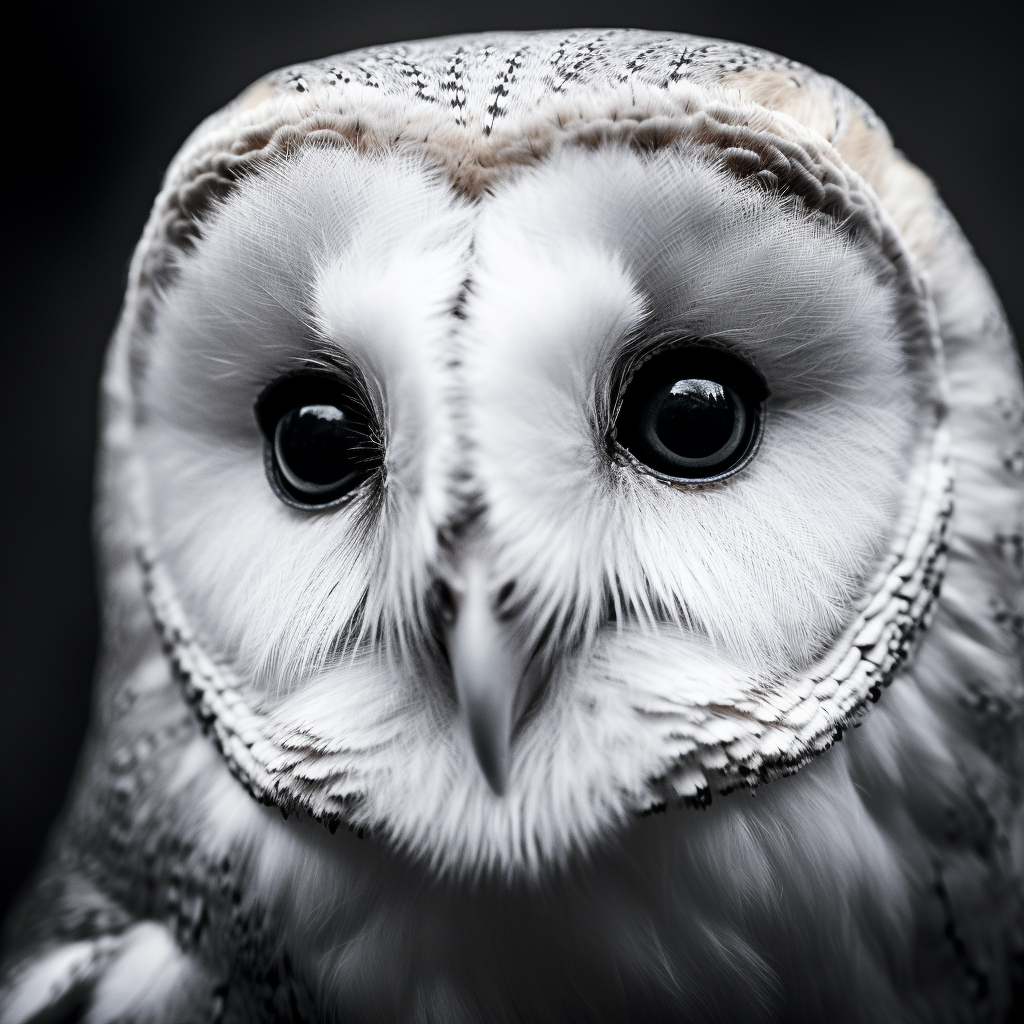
696,418
313,445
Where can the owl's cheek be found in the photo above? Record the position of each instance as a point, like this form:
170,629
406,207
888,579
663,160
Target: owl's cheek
271,587
665,666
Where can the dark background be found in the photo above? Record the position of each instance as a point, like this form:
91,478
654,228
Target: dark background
97,105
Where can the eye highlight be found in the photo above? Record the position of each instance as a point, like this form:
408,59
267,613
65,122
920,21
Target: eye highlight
693,413
320,444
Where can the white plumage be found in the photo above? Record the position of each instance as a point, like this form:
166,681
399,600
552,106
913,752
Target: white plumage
513,634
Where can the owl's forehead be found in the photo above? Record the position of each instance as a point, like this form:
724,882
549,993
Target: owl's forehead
484,82
479,107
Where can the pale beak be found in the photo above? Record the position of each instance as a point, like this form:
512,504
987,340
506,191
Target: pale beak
488,667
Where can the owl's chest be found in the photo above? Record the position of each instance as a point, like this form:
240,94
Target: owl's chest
680,911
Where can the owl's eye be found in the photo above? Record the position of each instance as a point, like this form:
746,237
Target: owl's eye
320,445
693,413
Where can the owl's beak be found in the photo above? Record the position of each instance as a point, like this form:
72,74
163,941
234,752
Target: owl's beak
488,668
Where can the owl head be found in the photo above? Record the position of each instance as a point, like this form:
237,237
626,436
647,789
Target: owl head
519,435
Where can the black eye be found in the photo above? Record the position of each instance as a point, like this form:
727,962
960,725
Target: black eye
693,413
320,443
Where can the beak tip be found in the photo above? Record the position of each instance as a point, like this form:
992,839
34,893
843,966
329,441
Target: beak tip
487,670
492,762
498,784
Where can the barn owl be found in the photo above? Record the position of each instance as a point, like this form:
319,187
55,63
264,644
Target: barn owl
560,525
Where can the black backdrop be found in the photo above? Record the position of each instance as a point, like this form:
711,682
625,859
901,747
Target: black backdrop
98,103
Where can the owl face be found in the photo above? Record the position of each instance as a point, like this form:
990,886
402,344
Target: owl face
496,510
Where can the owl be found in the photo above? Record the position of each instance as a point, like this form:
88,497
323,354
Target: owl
560,527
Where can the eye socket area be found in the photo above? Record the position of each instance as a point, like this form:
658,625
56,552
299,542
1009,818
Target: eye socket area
320,441
693,413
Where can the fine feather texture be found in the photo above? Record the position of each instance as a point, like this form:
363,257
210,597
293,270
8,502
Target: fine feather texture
488,303
375,229
572,268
